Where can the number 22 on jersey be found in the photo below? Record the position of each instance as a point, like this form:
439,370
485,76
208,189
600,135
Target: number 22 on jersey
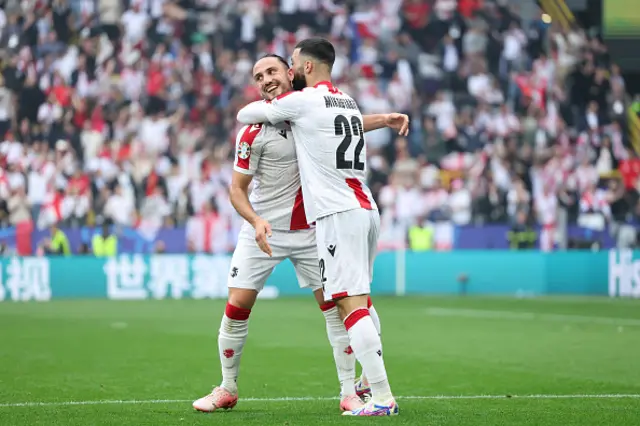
349,129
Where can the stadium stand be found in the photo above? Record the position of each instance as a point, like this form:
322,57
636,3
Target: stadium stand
124,112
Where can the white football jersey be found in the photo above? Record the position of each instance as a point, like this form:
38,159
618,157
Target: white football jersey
269,155
328,131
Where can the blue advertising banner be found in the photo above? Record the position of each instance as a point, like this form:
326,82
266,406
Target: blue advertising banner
138,277
489,237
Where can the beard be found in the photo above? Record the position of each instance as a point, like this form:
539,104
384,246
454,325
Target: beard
299,81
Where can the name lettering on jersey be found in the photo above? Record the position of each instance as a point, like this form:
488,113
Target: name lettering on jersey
333,102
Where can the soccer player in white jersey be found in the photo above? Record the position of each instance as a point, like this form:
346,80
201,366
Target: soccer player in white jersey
328,131
276,221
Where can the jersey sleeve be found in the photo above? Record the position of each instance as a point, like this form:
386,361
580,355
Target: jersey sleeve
248,149
285,107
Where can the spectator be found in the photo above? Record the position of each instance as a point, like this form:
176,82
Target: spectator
106,243
134,23
421,237
460,202
522,236
59,244
119,208
518,200
6,107
546,208
18,207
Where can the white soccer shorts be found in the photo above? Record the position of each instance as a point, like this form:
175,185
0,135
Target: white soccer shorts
250,266
347,246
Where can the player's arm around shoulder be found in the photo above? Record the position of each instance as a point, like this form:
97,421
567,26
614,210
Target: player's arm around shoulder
286,107
394,120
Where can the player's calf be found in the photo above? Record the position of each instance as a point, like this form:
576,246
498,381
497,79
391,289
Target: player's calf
367,347
363,390
342,353
234,329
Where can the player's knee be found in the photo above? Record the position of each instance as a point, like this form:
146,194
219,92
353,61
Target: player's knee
242,298
348,304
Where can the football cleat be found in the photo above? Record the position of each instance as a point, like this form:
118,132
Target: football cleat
363,391
351,403
218,398
371,409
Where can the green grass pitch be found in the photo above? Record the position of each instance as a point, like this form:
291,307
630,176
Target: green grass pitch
451,361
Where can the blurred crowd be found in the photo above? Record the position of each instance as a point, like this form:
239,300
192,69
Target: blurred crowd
115,111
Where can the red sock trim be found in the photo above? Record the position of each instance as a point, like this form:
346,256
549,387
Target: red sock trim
235,313
369,302
326,306
355,316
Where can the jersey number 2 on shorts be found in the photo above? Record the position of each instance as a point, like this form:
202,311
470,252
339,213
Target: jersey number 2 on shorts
349,129
323,279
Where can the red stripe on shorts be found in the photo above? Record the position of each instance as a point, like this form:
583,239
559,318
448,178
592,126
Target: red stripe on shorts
339,295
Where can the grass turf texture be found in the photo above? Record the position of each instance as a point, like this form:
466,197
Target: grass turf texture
75,351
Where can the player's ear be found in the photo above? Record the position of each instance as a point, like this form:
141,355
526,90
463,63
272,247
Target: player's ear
290,74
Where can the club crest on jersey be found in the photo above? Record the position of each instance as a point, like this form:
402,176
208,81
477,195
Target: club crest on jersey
244,150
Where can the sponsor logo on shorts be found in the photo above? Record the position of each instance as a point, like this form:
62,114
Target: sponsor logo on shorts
332,249
283,133
234,272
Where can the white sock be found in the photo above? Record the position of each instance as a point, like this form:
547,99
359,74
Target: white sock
368,349
342,353
375,318
376,321
233,334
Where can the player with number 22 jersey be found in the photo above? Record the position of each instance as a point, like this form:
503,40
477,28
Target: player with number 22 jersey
328,132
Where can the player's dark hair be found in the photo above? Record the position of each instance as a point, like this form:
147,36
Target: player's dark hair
319,49
282,60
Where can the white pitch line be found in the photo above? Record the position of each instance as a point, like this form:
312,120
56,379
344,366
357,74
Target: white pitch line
313,398
529,316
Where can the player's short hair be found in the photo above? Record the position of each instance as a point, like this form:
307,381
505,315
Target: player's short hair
280,59
318,48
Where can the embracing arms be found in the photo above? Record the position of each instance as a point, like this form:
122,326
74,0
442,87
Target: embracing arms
288,107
